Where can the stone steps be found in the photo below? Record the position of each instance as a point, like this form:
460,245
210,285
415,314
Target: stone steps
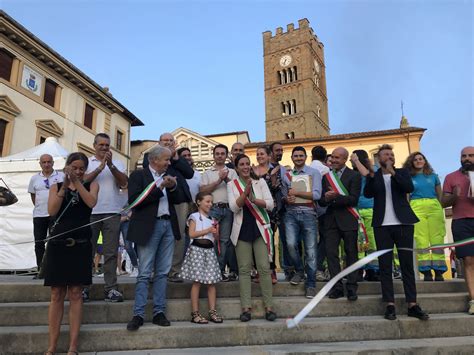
36,313
424,346
27,290
111,337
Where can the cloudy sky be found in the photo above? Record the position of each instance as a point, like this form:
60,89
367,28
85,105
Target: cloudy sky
199,64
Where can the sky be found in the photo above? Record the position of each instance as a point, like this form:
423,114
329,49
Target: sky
199,64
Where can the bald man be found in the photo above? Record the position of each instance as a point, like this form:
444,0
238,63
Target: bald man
339,223
458,192
39,191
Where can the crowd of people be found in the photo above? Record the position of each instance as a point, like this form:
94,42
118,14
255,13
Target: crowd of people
219,225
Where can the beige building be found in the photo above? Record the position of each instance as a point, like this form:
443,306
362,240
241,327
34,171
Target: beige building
43,95
200,146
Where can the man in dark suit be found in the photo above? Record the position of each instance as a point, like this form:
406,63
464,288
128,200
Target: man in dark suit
393,223
153,227
340,224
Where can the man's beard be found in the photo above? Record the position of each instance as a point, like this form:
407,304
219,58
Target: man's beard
467,166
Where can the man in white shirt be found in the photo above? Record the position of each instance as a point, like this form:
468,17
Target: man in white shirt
215,181
39,191
319,154
111,176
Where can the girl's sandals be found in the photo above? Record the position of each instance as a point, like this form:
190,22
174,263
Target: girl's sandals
197,318
215,317
246,316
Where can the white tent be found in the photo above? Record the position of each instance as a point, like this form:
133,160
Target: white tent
16,221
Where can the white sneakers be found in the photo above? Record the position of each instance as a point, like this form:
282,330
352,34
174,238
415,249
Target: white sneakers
471,307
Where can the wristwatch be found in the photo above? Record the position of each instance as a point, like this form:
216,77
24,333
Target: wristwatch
112,167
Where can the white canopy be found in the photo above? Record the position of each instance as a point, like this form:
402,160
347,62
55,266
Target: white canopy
17,220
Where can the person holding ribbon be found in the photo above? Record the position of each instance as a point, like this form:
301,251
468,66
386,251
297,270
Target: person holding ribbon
425,202
341,191
250,199
68,258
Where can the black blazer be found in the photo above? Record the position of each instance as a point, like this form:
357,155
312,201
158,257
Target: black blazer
337,214
180,169
143,217
402,185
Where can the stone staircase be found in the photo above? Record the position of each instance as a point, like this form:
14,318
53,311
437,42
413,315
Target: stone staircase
24,306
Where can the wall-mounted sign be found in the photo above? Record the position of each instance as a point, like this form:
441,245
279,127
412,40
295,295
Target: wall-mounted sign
31,80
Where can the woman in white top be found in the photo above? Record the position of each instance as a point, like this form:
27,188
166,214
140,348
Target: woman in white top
250,199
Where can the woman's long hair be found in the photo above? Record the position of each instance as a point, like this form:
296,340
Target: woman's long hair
427,169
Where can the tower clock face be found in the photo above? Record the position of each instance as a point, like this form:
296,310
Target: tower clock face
316,66
285,60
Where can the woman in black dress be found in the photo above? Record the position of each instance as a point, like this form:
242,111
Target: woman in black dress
68,261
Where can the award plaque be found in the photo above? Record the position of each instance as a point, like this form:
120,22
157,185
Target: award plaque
302,183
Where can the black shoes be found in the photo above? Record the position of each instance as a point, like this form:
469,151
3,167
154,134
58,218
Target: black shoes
270,316
161,320
135,323
438,276
416,312
390,312
351,295
334,294
247,316
427,276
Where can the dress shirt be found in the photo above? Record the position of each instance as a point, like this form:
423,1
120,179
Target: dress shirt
163,208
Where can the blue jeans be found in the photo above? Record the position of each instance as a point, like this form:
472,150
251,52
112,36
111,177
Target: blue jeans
302,226
156,255
225,217
128,245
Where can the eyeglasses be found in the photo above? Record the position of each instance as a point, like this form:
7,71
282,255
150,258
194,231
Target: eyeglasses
46,183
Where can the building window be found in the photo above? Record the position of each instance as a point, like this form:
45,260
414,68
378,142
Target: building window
6,64
119,140
290,135
288,107
318,111
3,131
50,92
286,76
89,116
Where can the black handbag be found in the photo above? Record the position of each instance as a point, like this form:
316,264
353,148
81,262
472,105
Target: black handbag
7,197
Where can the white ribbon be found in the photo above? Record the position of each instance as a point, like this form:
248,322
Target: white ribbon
293,322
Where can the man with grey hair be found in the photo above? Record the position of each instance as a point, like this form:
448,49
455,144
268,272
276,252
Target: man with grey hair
181,170
111,176
153,228
39,191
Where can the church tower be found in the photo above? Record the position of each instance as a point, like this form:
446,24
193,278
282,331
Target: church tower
296,104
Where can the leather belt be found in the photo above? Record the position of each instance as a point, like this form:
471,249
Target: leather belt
68,242
220,205
165,216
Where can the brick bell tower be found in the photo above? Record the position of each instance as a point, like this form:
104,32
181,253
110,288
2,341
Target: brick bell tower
296,104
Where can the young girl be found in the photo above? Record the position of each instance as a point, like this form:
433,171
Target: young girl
200,263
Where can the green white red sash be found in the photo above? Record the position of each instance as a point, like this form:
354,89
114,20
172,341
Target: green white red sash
260,214
141,197
337,186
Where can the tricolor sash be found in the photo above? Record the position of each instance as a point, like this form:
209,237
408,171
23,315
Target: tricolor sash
260,214
337,185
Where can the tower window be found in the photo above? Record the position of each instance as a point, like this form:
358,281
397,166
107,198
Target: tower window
318,111
286,76
288,107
